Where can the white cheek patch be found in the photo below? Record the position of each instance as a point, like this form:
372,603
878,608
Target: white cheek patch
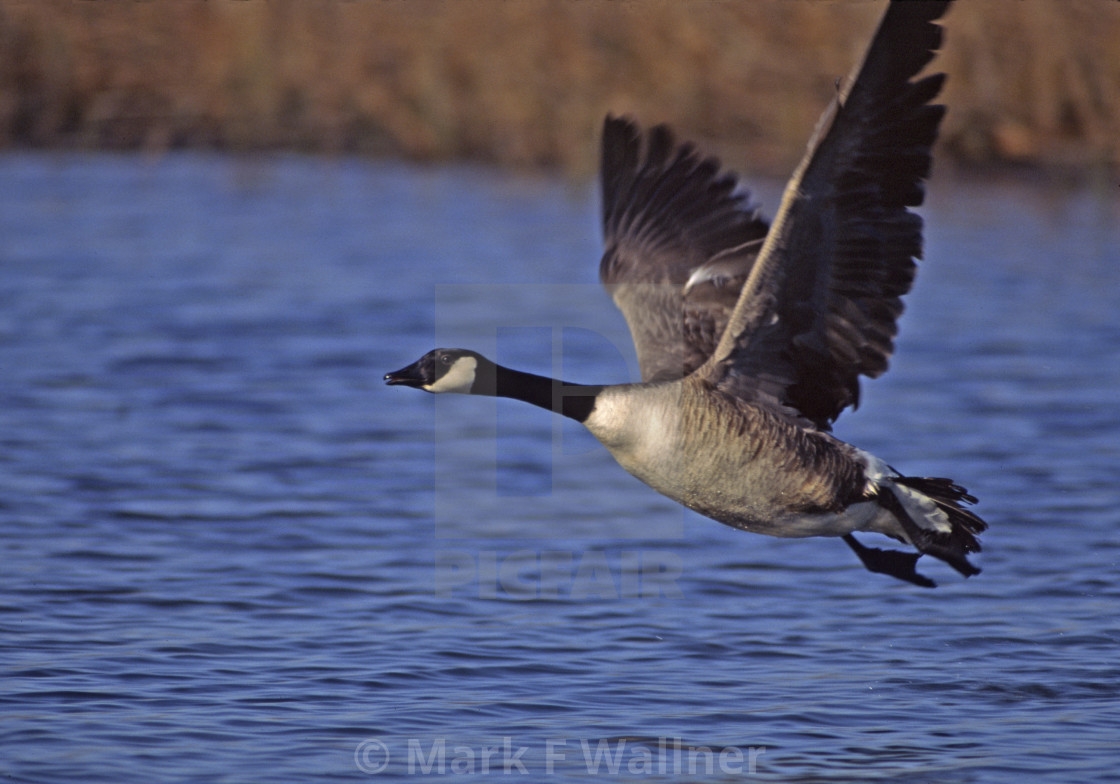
459,378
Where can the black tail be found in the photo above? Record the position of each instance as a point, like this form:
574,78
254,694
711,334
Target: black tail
951,499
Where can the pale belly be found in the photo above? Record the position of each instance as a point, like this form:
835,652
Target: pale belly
753,503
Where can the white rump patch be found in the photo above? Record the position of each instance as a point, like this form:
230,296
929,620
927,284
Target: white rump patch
920,507
458,378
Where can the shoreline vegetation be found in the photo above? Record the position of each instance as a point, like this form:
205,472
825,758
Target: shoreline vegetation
526,83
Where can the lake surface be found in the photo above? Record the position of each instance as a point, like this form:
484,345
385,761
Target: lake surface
231,554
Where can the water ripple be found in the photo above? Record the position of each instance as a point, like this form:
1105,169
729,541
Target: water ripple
230,554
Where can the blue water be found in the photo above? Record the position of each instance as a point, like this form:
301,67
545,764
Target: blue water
230,554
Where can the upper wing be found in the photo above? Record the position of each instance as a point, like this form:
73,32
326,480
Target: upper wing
822,301
666,213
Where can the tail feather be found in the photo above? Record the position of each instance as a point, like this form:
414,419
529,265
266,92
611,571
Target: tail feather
964,524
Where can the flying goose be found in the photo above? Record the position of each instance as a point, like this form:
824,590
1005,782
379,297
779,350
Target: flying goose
751,338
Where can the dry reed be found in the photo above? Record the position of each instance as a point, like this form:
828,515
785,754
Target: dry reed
527,82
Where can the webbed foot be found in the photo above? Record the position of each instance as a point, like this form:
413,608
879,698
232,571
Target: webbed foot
890,562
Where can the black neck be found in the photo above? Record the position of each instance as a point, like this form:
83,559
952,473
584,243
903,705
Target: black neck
571,400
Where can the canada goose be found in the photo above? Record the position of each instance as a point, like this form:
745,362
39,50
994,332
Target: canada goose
751,337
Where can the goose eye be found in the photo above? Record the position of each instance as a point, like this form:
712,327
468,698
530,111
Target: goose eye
445,359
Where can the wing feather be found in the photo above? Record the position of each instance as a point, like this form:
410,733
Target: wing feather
667,211
821,305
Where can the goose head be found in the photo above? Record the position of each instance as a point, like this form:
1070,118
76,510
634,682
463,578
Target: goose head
446,370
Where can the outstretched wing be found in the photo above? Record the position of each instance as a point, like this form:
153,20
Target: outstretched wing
821,304
668,212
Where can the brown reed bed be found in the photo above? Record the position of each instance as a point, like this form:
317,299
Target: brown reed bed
527,82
